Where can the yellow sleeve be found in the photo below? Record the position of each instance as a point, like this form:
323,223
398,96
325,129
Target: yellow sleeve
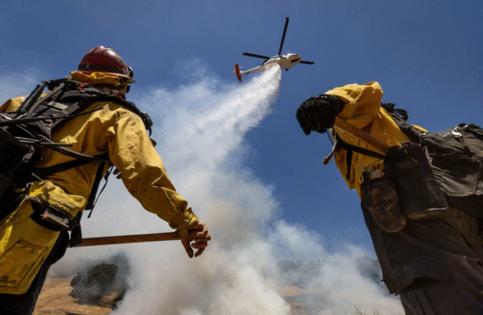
143,172
11,105
362,102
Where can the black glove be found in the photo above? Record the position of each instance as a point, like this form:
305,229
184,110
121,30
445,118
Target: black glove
318,113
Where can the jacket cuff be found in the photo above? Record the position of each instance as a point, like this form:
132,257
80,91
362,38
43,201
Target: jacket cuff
183,221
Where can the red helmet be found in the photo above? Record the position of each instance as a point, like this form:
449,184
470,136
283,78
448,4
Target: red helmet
105,59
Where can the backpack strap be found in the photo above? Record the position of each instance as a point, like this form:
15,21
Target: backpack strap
78,93
66,100
103,158
47,171
94,196
350,147
400,117
339,143
360,134
76,229
30,100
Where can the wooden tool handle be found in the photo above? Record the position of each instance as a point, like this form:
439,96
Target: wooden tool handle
126,239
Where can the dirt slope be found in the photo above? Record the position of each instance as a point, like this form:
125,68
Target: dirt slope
55,299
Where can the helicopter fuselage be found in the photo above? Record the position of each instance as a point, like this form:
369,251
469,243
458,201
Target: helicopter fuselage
284,61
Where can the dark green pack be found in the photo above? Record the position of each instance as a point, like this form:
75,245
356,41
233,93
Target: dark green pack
434,171
455,157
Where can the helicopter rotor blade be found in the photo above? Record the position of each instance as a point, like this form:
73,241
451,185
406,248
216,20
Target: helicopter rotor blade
307,62
255,55
283,36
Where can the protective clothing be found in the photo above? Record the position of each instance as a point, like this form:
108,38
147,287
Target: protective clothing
24,244
97,78
24,304
113,130
318,113
103,81
447,250
363,110
103,59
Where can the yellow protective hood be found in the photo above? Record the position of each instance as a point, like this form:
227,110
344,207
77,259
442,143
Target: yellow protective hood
100,78
363,110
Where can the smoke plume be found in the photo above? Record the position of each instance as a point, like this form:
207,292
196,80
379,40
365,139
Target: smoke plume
255,264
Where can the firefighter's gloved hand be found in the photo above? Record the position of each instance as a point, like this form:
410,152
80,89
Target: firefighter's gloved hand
318,113
198,238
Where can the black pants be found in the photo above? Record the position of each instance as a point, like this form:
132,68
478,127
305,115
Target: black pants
24,304
461,294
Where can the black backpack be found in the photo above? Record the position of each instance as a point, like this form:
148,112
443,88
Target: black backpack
455,158
26,132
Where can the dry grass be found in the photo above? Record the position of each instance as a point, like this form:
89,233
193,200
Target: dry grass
55,299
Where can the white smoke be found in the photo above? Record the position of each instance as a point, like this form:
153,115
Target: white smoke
255,264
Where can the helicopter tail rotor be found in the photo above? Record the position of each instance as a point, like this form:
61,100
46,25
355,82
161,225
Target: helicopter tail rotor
236,69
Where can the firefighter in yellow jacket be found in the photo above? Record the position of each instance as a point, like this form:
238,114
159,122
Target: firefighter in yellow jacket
435,263
28,248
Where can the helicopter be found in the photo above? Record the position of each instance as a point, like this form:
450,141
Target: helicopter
285,62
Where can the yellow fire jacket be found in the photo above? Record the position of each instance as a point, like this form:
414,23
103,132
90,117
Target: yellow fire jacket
363,110
112,129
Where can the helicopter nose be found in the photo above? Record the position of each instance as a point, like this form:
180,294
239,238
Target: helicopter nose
293,58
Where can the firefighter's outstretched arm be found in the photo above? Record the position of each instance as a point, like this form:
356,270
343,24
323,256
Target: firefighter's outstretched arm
143,174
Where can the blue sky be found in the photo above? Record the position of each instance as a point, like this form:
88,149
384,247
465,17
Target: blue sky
426,54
